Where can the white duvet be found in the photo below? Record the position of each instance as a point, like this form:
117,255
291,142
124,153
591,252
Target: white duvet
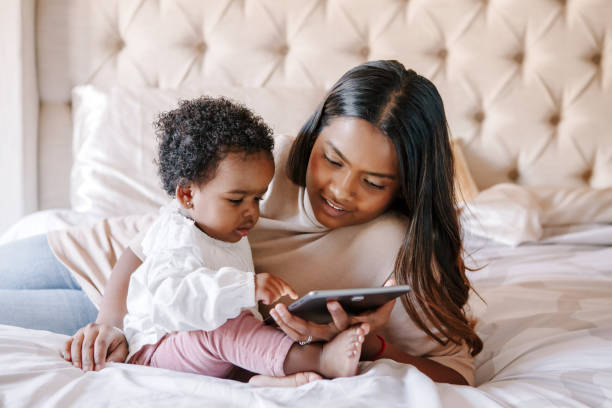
547,330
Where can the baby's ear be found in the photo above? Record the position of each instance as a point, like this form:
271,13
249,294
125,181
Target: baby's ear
184,194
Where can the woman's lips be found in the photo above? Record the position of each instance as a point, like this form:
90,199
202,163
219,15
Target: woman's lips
332,208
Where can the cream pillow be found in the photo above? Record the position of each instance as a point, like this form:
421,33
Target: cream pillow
514,214
573,205
114,144
506,213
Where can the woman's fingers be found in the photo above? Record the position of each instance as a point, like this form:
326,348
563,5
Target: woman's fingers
376,319
75,348
284,326
95,344
118,350
390,282
91,332
100,348
111,345
66,350
300,329
339,316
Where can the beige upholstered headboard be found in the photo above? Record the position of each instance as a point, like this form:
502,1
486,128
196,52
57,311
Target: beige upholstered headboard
527,83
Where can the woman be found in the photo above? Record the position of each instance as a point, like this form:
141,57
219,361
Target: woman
368,195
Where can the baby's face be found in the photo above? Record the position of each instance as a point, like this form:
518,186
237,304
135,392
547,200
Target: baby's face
227,206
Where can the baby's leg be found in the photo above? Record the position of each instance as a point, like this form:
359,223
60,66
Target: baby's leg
184,351
243,341
337,358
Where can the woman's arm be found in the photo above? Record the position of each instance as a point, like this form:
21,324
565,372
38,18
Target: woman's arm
300,330
91,346
434,370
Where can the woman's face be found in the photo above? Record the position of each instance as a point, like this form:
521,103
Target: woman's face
352,174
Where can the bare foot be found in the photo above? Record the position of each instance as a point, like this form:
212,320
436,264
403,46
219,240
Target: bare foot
293,380
340,356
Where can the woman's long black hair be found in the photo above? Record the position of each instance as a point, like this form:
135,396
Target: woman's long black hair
409,110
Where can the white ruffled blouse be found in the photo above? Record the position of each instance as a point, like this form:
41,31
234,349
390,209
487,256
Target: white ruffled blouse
188,280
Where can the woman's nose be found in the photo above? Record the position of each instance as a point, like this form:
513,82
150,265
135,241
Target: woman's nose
342,187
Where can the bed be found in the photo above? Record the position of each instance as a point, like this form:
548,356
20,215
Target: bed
528,90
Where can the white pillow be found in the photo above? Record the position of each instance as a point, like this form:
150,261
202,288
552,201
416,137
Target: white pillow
506,213
114,144
574,205
513,214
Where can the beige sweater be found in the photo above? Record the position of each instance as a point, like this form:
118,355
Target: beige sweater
287,242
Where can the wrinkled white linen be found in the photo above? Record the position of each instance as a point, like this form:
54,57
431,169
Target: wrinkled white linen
188,281
546,326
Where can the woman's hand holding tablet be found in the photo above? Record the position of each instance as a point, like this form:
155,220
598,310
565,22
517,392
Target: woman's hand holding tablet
313,306
300,329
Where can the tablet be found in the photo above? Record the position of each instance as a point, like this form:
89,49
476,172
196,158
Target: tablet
313,306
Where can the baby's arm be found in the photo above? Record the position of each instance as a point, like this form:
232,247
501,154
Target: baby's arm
180,294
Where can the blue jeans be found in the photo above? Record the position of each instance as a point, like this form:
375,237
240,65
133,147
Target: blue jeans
38,292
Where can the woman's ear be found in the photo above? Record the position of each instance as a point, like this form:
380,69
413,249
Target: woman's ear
184,195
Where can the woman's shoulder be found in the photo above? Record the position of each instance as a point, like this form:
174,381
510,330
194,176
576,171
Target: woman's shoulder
389,226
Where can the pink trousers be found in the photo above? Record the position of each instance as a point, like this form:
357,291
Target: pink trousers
244,342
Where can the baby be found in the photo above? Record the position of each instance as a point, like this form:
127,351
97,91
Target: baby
192,304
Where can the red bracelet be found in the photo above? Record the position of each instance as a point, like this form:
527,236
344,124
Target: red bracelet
383,346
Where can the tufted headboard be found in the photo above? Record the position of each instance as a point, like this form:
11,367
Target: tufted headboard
527,84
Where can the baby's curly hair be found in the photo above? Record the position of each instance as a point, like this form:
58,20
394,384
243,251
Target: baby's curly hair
196,136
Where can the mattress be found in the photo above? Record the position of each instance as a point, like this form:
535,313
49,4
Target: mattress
545,317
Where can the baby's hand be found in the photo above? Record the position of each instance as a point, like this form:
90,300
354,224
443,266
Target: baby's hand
269,288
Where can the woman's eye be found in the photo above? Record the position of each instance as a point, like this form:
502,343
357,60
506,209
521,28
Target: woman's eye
373,185
333,162
258,199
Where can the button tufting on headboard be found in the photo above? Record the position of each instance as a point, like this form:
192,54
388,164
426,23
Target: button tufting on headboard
519,69
200,47
555,119
283,49
513,175
596,59
365,51
519,57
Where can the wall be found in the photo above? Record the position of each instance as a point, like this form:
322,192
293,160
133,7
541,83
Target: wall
18,112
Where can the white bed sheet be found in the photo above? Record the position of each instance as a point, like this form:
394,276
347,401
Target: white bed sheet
547,328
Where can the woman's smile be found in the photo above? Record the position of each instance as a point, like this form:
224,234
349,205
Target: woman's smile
334,209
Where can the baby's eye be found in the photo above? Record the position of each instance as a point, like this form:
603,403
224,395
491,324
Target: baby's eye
374,185
238,201
332,162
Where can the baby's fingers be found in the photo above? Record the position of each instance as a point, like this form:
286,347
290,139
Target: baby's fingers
288,291
284,289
